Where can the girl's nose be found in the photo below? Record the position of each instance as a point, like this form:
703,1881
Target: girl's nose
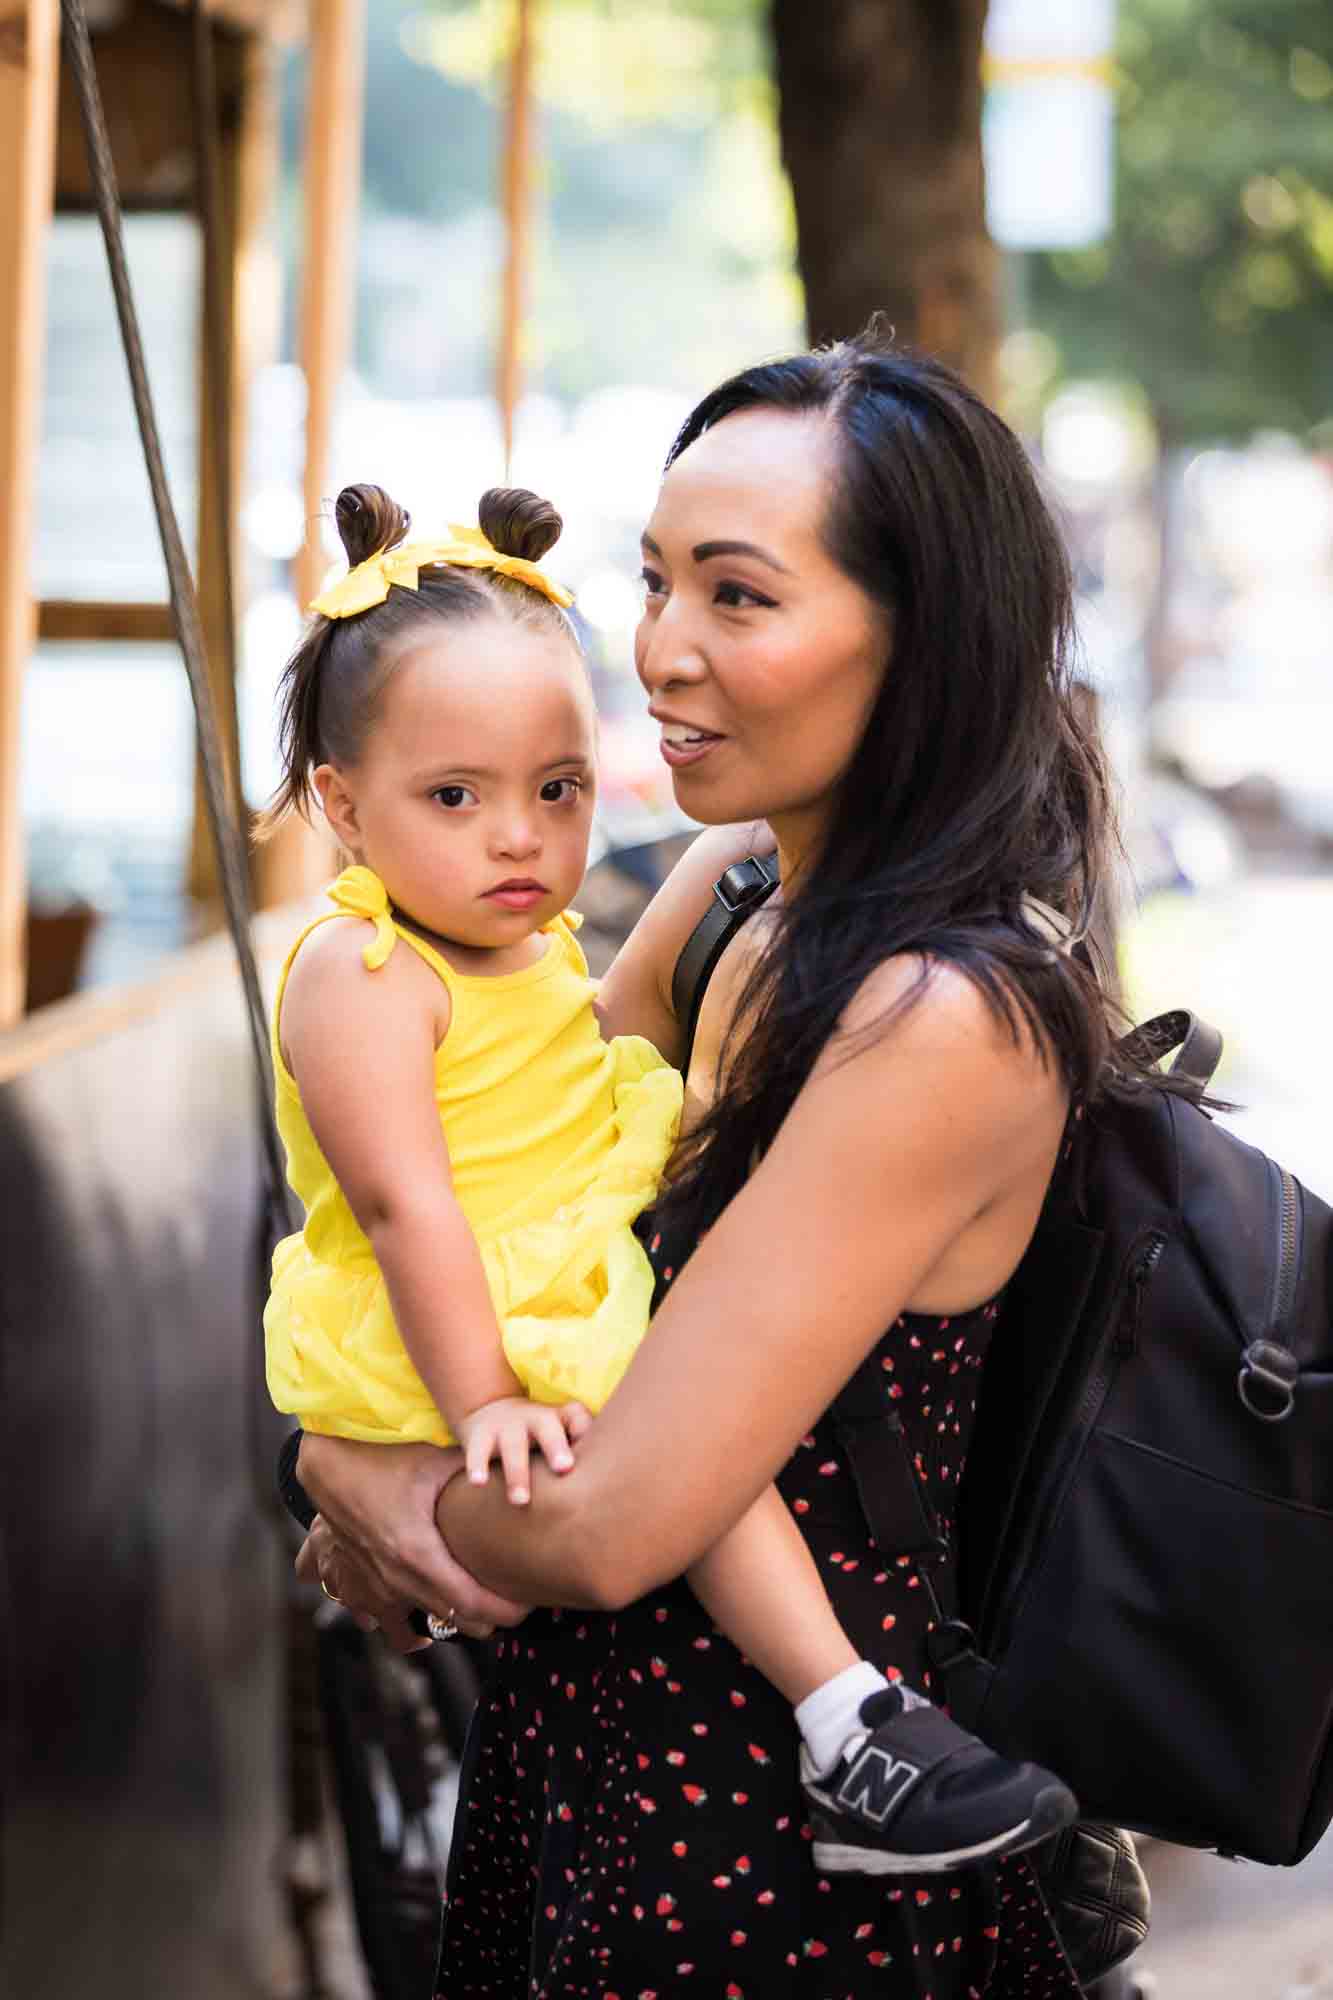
517,839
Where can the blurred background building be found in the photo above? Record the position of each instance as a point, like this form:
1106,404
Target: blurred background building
1116,216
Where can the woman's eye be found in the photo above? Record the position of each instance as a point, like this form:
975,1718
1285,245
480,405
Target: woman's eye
557,790
653,583
453,796
737,595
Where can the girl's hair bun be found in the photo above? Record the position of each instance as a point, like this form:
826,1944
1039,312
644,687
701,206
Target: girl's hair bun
369,521
518,523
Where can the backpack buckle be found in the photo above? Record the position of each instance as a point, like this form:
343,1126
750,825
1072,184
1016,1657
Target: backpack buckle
1267,1381
742,884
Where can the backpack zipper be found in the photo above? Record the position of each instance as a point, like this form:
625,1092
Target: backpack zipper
1269,1371
1117,1344
1288,1249
1126,1336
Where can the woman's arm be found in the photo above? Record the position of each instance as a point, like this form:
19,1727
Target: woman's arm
889,1155
634,997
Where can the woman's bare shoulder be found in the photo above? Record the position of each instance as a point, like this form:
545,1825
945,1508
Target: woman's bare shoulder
967,1070
635,995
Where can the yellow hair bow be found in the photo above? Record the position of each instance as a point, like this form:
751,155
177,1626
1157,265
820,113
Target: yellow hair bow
465,548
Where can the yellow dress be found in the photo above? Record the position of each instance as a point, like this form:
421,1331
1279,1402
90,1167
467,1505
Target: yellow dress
556,1140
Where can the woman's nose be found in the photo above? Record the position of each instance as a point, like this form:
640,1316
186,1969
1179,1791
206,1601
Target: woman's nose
667,652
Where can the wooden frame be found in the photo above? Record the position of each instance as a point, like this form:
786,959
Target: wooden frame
279,20
78,619
332,186
42,165
297,858
246,171
516,176
29,67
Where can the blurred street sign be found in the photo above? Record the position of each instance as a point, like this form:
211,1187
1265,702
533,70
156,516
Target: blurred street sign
1047,125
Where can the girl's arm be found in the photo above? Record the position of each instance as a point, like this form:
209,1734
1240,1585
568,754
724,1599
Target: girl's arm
634,997
361,1046
940,1130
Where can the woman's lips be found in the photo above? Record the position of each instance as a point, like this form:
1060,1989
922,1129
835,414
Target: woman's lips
681,748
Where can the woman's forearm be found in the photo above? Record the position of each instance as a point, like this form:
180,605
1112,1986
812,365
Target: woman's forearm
542,1553
763,1326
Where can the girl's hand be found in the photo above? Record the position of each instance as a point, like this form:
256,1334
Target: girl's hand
506,1431
378,1506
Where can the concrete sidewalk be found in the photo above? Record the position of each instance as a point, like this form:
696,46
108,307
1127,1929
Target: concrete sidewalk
1227,1930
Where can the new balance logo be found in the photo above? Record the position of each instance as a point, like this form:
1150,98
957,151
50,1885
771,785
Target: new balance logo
876,1784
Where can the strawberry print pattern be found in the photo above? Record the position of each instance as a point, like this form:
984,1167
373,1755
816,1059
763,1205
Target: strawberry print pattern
630,1824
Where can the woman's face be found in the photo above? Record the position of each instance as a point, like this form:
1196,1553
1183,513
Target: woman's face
761,658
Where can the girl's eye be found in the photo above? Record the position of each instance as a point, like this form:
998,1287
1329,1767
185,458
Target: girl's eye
737,595
453,796
556,791
652,582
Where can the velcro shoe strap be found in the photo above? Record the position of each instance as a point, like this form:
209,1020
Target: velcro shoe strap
893,1760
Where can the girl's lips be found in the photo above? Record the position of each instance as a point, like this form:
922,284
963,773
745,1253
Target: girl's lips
679,754
516,898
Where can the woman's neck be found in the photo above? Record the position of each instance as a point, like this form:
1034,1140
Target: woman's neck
799,835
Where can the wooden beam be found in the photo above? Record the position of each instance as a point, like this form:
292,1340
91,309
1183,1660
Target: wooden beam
332,181
29,70
517,183
142,59
275,20
76,618
223,384
296,859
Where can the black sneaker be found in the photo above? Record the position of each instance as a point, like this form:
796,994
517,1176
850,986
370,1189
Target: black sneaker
918,1795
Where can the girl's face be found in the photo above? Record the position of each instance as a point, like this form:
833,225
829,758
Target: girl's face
761,658
473,794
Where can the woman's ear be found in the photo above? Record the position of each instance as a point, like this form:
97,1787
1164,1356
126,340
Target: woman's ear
339,802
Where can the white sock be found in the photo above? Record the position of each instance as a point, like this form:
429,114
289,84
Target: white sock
832,1713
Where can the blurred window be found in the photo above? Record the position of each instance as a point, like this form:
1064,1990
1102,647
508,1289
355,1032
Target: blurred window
108,743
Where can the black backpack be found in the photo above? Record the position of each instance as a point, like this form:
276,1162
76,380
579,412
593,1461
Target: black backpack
1146,1520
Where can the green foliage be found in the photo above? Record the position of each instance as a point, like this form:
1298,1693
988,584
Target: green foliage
1215,289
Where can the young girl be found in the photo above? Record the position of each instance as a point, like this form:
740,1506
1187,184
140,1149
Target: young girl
472,1154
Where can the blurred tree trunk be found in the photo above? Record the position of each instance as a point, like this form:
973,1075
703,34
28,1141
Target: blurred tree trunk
880,118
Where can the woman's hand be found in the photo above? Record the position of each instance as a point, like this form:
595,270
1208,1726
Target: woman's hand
377,1547
324,1561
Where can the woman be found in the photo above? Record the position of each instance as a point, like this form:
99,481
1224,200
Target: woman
856,627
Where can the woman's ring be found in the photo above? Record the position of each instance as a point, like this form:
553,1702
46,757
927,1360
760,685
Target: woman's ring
441,1628
328,1593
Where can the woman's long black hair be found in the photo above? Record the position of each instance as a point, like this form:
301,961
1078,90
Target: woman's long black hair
976,786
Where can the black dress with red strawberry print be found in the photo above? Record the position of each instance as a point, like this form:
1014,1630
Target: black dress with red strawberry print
631,1826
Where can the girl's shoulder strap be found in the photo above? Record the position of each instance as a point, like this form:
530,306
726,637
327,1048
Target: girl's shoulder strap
563,931
357,892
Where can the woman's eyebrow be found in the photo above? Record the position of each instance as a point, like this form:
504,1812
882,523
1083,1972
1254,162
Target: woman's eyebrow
704,552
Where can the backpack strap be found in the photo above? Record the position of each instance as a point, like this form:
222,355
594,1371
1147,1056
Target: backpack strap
869,1433
873,1442
744,886
1199,1046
